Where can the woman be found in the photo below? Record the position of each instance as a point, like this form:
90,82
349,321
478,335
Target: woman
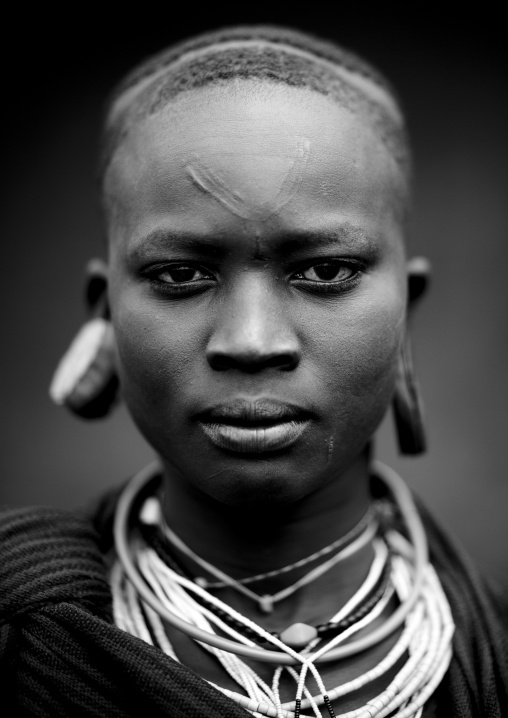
253,310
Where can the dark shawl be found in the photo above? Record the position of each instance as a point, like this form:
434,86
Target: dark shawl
61,655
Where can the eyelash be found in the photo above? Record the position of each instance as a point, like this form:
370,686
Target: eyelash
192,287
171,289
330,287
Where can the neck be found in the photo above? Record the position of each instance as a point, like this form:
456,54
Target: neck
242,541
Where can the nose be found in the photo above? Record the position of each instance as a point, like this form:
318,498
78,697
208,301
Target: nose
252,332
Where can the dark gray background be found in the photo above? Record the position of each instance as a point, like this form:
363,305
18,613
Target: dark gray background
451,73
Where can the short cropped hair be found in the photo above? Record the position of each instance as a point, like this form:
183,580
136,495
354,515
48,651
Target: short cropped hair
262,53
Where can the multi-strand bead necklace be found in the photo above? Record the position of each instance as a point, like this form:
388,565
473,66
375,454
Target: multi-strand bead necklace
297,635
147,587
359,536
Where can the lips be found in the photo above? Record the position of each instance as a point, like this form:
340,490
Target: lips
253,427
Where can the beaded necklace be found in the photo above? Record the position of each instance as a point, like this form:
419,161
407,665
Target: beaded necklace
340,543
266,602
297,635
423,609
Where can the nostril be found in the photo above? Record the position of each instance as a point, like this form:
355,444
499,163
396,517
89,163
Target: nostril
283,361
219,362
252,361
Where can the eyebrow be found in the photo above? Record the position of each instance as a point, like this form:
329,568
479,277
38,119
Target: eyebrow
346,235
160,240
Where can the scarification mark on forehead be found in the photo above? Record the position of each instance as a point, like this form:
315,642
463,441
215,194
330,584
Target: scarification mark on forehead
212,183
251,60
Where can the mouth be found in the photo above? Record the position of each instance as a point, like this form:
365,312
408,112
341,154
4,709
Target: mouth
254,427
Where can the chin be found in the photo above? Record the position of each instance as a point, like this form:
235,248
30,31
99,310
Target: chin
263,482
276,492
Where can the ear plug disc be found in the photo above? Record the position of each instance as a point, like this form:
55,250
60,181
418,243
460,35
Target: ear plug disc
85,379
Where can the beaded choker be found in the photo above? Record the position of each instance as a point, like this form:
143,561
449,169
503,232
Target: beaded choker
296,635
146,589
361,535
337,545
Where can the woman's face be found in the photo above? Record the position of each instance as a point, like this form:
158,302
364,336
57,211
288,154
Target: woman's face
257,286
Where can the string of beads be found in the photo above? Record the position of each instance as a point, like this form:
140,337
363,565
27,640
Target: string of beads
153,537
337,545
425,641
266,602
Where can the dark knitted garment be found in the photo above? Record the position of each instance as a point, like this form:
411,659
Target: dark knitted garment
62,656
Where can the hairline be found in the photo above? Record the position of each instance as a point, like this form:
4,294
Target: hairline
359,82
368,91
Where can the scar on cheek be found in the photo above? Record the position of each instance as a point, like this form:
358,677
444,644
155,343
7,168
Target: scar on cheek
213,184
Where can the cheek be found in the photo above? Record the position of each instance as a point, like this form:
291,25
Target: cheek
158,352
355,349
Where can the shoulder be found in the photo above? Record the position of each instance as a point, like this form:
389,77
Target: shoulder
478,672
468,589
48,556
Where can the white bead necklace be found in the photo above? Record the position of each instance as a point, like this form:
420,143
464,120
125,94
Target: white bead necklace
426,636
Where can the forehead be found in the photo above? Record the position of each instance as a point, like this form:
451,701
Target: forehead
252,147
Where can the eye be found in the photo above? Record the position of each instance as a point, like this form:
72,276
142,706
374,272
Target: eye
328,272
178,279
180,274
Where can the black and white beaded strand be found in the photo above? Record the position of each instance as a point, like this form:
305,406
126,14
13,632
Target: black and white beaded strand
431,655
409,515
296,635
166,583
409,689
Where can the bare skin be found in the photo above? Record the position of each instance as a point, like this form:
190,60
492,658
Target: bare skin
256,252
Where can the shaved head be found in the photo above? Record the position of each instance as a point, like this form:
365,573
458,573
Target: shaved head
264,55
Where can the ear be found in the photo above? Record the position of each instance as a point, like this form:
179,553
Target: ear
418,278
407,403
96,288
86,381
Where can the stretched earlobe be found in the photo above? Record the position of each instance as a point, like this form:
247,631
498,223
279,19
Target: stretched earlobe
418,277
86,379
408,408
406,402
